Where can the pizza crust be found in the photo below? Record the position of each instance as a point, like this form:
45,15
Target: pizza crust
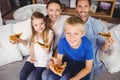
105,34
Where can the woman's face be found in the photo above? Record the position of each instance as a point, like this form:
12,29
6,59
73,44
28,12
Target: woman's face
54,11
38,25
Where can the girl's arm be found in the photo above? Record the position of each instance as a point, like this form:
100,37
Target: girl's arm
24,42
84,71
32,58
19,40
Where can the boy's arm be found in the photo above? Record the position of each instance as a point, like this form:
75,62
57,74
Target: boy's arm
56,60
59,57
84,71
24,42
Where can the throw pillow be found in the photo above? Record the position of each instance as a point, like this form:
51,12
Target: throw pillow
8,52
112,61
23,27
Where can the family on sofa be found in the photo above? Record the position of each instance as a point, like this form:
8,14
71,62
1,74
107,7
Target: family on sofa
43,36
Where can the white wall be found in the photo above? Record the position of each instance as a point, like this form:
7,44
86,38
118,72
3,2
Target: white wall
1,22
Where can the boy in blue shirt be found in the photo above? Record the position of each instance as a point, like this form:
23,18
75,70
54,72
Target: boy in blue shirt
76,50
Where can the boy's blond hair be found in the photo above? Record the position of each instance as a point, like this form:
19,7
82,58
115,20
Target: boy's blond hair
73,20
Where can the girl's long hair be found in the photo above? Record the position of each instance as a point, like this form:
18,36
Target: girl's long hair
39,15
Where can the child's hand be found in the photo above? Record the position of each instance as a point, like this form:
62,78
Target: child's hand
32,59
56,61
13,42
53,61
14,38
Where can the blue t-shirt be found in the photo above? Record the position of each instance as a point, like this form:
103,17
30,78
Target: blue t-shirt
83,52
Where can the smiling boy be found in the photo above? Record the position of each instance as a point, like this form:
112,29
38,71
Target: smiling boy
76,50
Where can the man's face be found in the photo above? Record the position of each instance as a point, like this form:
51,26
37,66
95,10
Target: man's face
83,8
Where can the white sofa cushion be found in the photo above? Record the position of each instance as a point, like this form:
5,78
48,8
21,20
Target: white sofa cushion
26,11
8,52
23,27
112,60
117,33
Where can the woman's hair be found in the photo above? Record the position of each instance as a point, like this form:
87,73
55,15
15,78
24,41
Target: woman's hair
88,1
54,1
39,15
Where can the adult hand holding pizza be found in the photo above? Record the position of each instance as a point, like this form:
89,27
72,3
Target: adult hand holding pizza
108,40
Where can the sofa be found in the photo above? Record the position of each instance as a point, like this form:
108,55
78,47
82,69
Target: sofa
13,56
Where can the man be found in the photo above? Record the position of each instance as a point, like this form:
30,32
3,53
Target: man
92,28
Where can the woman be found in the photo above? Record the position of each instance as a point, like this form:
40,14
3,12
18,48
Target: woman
56,23
55,19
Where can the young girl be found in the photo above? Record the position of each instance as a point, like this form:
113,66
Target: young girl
40,48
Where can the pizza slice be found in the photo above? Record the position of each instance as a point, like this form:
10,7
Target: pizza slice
105,34
58,69
15,37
